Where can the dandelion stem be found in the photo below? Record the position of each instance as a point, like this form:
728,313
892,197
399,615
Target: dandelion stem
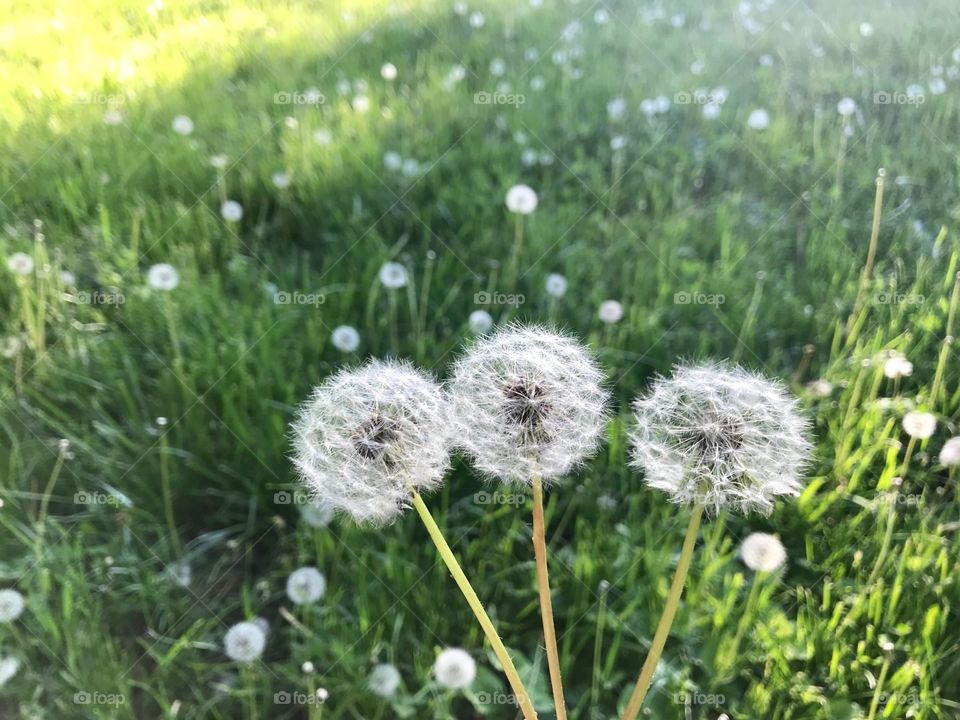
878,691
871,257
517,250
523,697
546,603
666,620
167,496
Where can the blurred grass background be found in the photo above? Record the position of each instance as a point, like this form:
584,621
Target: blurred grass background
94,181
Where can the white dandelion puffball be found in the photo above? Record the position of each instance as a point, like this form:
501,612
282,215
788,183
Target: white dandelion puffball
322,137
920,425
820,388
393,275
762,552
163,276
937,85
20,263
758,120
360,103
477,20
527,401
345,338
369,436
455,669
306,585
610,312
231,211
388,71
521,199
392,160
950,452
897,367
9,667
244,642
720,435
182,125
480,322
316,514
280,180
112,117
866,29
556,285
11,605
847,106
384,680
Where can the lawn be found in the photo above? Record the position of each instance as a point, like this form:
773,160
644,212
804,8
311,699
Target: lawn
208,208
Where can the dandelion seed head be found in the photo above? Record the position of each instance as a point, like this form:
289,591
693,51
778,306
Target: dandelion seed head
556,285
455,669
163,276
384,680
527,401
758,120
720,435
920,425
847,106
231,211
244,642
388,71
360,103
11,605
280,180
306,585
182,125
950,452
762,552
9,667
393,275
112,117
820,388
477,20
480,322
897,366
316,514
345,338
20,263
610,312
366,437
10,346
521,199
322,137
392,160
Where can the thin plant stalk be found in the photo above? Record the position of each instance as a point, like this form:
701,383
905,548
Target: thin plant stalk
517,250
509,669
546,603
168,496
666,619
867,274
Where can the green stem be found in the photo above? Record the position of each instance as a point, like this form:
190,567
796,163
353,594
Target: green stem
522,696
666,620
546,603
878,691
515,255
168,496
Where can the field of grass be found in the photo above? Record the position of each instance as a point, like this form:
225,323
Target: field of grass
127,410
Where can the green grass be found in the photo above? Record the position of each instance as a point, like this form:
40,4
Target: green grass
776,222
